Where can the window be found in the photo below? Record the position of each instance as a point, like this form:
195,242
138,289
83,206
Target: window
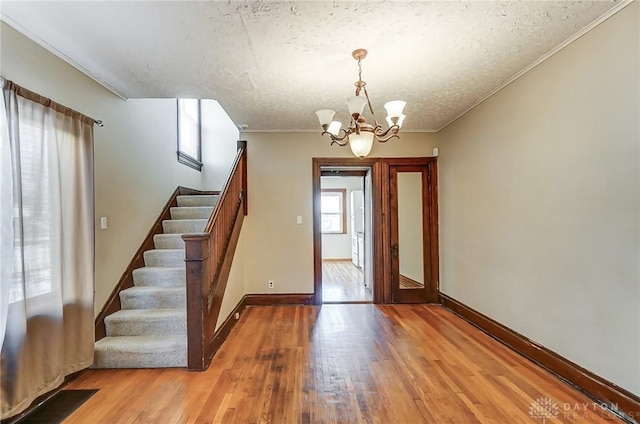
189,148
32,214
333,210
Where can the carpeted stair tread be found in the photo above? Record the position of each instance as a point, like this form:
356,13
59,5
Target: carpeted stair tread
168,241
164,258
160,276
183,226
153,298
146,322
191,212
150,329
141,352
197,200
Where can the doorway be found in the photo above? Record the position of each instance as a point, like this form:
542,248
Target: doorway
385,242
346,234
361,250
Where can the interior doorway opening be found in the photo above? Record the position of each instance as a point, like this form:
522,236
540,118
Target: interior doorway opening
346,234
396,224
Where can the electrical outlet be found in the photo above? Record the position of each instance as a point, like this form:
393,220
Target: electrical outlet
237,315
270,284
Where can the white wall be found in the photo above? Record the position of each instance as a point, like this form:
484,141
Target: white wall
280,188
235,285
540,206
136,169
338,246
219,145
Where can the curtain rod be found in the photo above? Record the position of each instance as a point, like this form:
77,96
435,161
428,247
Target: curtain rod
45,101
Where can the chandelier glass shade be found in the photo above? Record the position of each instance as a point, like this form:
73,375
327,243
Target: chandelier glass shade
360,134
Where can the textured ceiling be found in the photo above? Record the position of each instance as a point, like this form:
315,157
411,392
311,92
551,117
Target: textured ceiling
272,64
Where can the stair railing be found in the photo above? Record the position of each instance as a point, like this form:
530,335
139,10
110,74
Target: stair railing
208,258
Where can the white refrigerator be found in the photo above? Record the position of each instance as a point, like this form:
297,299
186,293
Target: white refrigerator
357,228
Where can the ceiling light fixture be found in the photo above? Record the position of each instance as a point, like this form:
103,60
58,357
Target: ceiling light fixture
359,135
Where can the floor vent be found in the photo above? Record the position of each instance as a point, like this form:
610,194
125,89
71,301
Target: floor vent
59,407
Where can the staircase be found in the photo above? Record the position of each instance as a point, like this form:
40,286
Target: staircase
150,331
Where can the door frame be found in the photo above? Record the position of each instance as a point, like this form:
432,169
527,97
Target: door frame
381,217
431,164
377,218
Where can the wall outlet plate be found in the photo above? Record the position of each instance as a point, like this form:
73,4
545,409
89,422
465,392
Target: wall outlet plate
270,284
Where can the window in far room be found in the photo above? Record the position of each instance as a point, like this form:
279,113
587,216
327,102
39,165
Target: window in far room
333,210
189,132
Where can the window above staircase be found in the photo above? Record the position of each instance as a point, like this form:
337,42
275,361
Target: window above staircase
190,133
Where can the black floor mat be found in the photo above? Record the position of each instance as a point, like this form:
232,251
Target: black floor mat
59,407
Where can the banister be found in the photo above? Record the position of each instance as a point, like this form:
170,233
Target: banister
238,162
208,258
227,242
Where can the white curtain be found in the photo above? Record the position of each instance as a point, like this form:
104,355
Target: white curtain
46,256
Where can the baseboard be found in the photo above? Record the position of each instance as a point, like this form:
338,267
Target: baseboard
224,330
278,299
336,259
604,392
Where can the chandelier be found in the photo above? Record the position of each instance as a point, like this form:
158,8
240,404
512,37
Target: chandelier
360,134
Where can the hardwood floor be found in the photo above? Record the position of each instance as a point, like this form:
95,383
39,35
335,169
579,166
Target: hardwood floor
358,363
342,281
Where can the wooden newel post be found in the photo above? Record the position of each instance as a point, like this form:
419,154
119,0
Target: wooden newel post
197,248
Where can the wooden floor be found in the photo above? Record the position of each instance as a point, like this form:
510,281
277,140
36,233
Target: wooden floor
342,281
358,363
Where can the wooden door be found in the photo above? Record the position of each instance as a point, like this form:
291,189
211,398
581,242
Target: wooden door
413,232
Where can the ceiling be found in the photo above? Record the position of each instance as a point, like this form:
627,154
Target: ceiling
271,65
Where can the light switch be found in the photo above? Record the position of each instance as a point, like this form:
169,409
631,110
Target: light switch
103,222
298,219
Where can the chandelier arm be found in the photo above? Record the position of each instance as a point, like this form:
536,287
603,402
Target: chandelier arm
340,141
384,136
385,139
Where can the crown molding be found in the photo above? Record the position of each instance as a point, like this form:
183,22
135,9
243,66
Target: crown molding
58,53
